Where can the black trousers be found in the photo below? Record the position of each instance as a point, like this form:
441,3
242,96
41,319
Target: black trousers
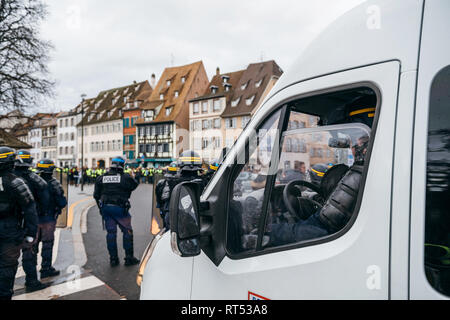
9,261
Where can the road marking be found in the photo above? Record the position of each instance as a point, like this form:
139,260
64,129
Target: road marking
72,208
62,289
155,227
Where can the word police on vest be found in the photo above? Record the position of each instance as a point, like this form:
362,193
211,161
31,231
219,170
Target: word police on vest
111,179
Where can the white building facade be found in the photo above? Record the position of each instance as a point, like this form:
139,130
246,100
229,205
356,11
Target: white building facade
67,138
102,142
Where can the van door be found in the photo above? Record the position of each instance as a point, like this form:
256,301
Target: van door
352,263
430,213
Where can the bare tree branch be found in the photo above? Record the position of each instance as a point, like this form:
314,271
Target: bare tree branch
24,75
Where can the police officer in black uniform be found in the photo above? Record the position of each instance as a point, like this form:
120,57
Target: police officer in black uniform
112,192
190,165
48,216
164,189
212,169
18,221
40,192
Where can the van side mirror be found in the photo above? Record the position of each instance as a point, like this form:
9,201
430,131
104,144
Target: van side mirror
184,220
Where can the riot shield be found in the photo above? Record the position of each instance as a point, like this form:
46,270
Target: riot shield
63,178
157,222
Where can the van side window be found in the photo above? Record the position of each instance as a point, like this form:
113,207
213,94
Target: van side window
437,220
248,188
304,186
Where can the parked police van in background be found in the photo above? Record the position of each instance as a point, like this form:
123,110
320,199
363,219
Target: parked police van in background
396,243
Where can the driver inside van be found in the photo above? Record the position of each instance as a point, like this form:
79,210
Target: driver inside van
335,213
340,204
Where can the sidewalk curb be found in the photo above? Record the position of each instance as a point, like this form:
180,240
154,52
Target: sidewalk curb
77,230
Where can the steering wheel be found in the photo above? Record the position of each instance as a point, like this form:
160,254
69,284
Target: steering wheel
292,197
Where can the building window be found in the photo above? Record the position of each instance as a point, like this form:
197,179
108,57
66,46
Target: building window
258,84
230,123
168,111
161,96
245,121
244,86
183,79
217,123
217,105
204,107
176,94
195,108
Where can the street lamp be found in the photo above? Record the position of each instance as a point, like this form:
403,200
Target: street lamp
83,96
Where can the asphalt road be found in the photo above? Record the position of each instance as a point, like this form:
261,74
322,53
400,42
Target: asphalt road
121,279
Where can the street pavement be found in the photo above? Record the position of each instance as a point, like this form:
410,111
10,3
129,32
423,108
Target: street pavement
121,279
81,256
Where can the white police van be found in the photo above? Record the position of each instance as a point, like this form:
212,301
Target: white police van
391,57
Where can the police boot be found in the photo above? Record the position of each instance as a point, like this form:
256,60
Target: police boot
131,261
35,285
114,261
50,272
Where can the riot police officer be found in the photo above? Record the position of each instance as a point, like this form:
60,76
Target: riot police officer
190,165
112,192
47,218
164,189
212,169
18,221
38,188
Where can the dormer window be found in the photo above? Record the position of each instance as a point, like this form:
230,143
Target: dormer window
225,79
137,87
116,92
176,94
161,96
168,111
214,89
183,79
110,113
258,84
168,82
227,87
249,101
234,103
244,86
126,90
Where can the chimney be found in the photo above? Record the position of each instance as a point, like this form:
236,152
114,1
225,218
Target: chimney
153,81
218,71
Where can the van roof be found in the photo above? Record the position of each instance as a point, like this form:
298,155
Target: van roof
372,32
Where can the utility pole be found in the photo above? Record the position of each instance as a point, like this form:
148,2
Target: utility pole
83,96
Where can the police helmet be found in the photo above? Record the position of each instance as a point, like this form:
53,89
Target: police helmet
7,157
190,160
317,172
214,165
118,163
362,110
23,159
46,166
173,167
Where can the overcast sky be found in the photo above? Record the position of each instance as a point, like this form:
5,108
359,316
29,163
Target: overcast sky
102,44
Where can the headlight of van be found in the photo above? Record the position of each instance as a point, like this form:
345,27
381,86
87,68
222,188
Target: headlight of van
147,255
